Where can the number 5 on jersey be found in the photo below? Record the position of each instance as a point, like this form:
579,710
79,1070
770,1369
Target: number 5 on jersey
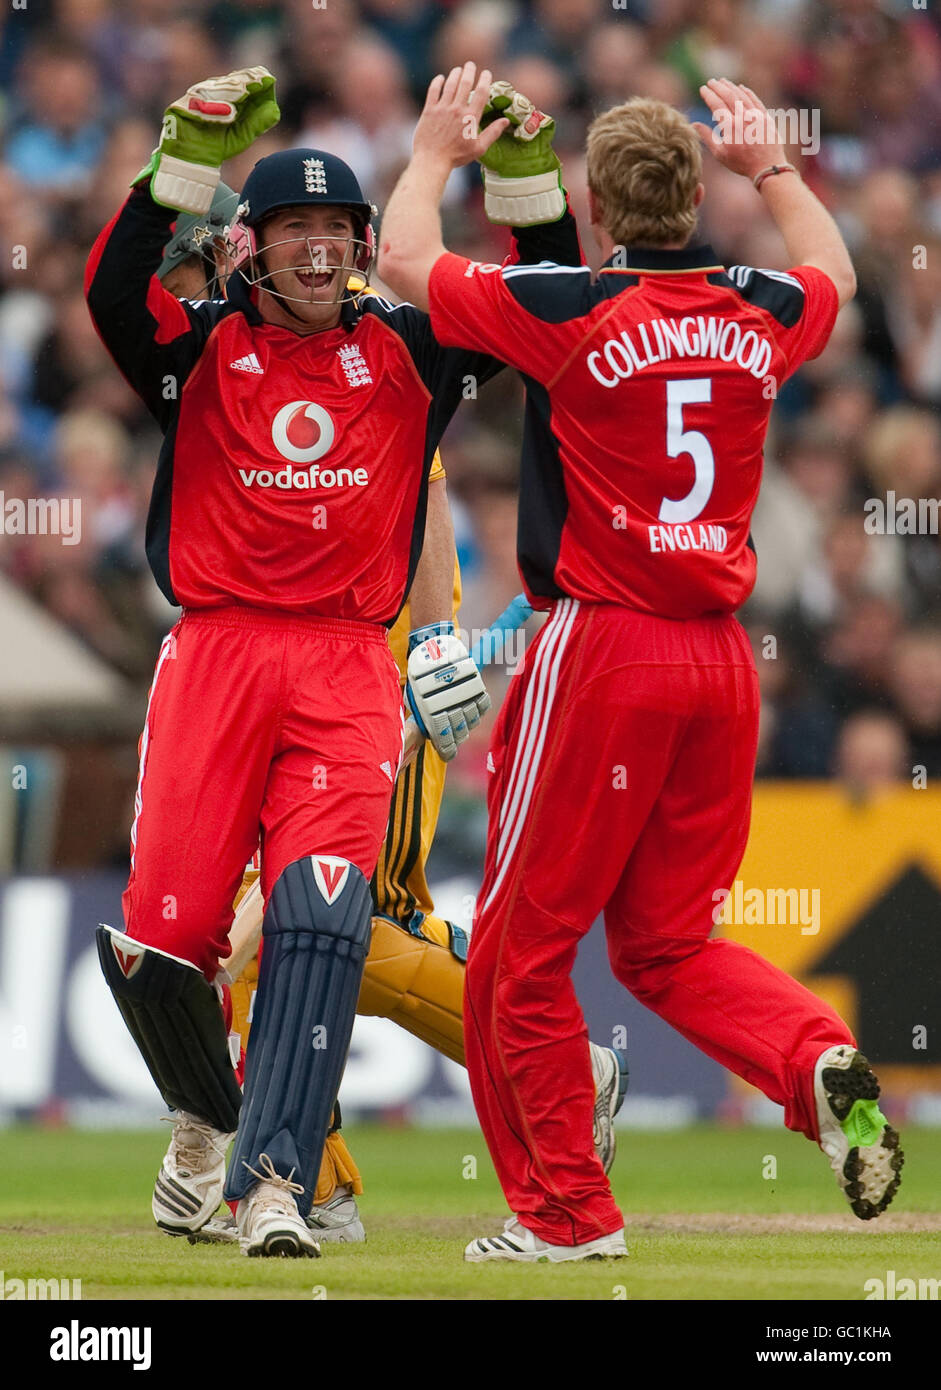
693,442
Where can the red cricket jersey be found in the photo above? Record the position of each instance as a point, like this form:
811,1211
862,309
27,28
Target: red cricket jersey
294,469
648,397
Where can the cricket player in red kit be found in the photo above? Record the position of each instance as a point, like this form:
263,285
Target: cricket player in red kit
623,758
287,519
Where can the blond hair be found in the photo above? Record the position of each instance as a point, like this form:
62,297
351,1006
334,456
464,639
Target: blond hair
644,162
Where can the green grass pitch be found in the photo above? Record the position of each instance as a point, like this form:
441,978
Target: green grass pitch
703,1222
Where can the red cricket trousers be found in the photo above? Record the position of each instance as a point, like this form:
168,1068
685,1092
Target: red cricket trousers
265,724
623,760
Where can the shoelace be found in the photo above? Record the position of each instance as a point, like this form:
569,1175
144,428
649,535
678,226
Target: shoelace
269,1175
193,1154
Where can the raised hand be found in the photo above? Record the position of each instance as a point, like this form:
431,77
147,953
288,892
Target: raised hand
449,126
744,138
211,122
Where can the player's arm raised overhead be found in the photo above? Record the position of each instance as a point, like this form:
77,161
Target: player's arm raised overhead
483,314
153,337
447,136
529,198
810,234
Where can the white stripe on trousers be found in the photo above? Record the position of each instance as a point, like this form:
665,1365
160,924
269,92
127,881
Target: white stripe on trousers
534,725
166,646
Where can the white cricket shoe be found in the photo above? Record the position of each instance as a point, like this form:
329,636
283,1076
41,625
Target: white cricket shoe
221,1229
519,1243
861,1145
337,1220
609,1070
268,1220
189,1185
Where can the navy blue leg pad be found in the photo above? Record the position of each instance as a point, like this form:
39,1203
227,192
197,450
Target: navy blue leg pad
174,1016
316,935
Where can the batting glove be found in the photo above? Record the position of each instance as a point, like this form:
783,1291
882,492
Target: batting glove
212,122
522,172
445,691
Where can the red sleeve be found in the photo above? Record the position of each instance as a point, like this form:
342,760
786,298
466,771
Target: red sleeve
472,306
809,335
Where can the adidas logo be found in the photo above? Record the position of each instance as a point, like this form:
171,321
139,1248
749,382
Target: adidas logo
387,769
248,364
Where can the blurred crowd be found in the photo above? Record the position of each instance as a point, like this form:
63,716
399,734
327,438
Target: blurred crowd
846,624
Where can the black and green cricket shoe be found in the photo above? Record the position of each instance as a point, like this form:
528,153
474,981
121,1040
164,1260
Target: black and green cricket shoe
861,1145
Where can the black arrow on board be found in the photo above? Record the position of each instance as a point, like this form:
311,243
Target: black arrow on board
892,954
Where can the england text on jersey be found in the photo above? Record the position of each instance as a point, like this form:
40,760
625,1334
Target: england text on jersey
649,504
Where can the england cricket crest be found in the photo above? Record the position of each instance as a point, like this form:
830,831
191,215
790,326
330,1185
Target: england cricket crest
330,874
315,177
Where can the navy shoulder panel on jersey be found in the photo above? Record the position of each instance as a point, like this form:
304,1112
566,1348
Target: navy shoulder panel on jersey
412,325
204,314
552,292
780,294
443,370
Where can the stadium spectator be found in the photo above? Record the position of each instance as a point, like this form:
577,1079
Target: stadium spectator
84,86
916,685
56,145
872,754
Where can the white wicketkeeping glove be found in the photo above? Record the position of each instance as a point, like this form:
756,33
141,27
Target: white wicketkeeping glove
445,691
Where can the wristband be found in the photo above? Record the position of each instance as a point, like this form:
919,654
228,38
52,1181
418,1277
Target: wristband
177,183
772,169
523,202
421,634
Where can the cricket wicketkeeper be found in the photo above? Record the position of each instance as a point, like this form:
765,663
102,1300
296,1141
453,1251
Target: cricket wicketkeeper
300,422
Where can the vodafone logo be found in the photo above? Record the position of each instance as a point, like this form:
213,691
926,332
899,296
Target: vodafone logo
287,477
302,431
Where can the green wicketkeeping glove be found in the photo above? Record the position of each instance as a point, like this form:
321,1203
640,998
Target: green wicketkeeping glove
522,172
213,121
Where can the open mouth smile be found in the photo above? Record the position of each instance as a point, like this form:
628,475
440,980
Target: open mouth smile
315,279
